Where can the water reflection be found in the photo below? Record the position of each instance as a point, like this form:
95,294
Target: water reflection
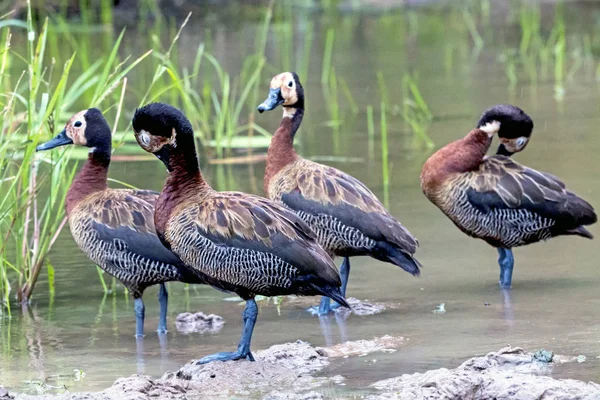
331,324
507,309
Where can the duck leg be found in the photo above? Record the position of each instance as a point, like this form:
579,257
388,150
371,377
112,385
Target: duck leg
243,351
506,262
325,306
163,300
140,313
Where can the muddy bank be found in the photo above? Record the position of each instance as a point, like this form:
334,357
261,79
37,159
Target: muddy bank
294,371
510,373
286,371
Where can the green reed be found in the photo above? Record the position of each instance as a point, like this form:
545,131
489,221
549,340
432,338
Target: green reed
327,56
34,107
415,110
384,155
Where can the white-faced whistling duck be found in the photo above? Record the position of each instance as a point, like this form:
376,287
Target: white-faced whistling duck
115,227
242,243
495,198
347,217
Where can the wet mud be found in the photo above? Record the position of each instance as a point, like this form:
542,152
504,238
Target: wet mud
296,371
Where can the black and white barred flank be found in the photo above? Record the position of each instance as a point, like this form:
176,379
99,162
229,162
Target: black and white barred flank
510,227
115,257
336,237
256,271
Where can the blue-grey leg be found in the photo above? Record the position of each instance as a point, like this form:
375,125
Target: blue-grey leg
243,351
325,306
163,300
506,262
140,313
344,275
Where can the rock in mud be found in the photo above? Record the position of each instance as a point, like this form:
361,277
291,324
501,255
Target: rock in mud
199,322
509,374
361,308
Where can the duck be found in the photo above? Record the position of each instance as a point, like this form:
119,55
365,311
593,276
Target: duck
115,227
347,217
495,198
240,243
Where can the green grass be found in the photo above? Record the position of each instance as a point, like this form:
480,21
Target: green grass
31,107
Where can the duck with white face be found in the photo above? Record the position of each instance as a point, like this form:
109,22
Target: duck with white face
115,227
347,217
238,242
497,199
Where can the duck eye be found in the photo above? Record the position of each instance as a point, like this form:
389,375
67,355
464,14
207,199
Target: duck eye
291,84
77,124
145,139
521,142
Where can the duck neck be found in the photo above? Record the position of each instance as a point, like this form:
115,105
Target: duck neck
184,181
281,150
92,178
458,157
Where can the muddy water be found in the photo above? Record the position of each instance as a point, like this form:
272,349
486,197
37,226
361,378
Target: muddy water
555,298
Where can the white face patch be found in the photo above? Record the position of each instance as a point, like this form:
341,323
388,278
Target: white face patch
144,137
491,128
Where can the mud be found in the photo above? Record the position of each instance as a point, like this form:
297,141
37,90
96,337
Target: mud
293,371
199,322
510,373
361,308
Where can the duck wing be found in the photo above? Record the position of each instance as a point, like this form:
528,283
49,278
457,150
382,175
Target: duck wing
149,196
317,189
501,185
250,242
124,219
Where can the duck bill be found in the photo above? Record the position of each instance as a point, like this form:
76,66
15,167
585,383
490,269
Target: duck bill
275,99
503,151
60,140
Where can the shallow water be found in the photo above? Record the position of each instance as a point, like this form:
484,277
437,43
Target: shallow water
554,300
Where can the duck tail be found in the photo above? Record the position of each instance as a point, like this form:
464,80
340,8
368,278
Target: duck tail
333,292
383,251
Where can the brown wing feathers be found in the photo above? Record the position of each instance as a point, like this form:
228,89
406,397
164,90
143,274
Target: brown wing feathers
325,191
550,209
260,246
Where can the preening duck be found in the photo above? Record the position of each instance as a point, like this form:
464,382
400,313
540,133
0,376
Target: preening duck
347,217
239,242
497,199
115,227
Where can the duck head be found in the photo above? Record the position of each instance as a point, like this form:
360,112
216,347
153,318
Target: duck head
163,130
286,91
515,127
86,128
